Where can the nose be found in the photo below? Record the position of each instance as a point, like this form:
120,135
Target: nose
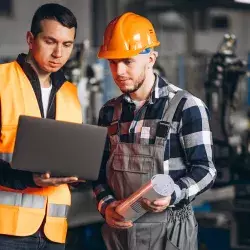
57,53
120,68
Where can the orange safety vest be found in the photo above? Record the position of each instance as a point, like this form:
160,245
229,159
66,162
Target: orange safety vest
22,212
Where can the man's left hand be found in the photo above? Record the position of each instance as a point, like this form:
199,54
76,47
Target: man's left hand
156,206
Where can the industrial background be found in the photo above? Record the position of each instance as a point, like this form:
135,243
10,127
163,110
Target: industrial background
205,48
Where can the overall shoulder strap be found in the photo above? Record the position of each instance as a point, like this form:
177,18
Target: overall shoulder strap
167,117
113,128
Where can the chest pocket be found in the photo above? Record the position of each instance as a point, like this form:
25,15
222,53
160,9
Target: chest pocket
129,172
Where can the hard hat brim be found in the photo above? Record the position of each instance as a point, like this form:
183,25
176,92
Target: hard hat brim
109,54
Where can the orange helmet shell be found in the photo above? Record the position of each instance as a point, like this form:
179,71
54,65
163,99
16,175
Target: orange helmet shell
126,36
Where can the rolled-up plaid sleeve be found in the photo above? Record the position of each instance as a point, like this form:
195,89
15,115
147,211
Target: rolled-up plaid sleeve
196,141
101,190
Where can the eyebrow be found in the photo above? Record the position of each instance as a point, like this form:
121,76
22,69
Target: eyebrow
54,40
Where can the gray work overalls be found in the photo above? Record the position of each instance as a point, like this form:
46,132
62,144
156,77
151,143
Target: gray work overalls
131,165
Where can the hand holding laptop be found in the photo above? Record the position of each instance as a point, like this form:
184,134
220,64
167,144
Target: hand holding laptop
44,180
60,152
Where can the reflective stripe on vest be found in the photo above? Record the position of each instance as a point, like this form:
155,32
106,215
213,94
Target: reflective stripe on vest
57,210
22,200
6,156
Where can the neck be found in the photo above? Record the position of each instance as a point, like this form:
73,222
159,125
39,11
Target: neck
144,91
43,76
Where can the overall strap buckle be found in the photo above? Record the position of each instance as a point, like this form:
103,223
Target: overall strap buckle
113,128
162,129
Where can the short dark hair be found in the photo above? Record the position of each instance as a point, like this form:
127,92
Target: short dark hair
53,11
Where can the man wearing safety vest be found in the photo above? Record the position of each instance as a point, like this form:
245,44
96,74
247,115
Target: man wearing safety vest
33,208
153,128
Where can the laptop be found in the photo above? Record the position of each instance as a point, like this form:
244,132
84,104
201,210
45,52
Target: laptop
62,148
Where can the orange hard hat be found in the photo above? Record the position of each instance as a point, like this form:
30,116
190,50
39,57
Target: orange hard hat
127,36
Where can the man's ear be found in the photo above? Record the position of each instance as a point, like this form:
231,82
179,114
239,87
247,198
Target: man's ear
30,39
152,57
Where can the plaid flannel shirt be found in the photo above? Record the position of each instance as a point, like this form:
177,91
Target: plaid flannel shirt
188,157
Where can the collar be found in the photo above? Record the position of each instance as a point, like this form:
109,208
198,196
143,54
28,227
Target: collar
57,78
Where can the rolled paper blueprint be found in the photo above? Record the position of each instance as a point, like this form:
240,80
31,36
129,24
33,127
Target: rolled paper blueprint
160,185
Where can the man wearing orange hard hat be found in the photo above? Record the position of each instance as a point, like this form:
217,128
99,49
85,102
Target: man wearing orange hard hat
153,128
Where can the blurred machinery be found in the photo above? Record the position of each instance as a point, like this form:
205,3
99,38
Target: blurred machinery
87,74
226,98
226,207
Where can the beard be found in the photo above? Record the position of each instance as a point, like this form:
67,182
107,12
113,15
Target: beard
138,83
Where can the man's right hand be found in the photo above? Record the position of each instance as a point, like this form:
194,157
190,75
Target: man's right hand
44,180
114,219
